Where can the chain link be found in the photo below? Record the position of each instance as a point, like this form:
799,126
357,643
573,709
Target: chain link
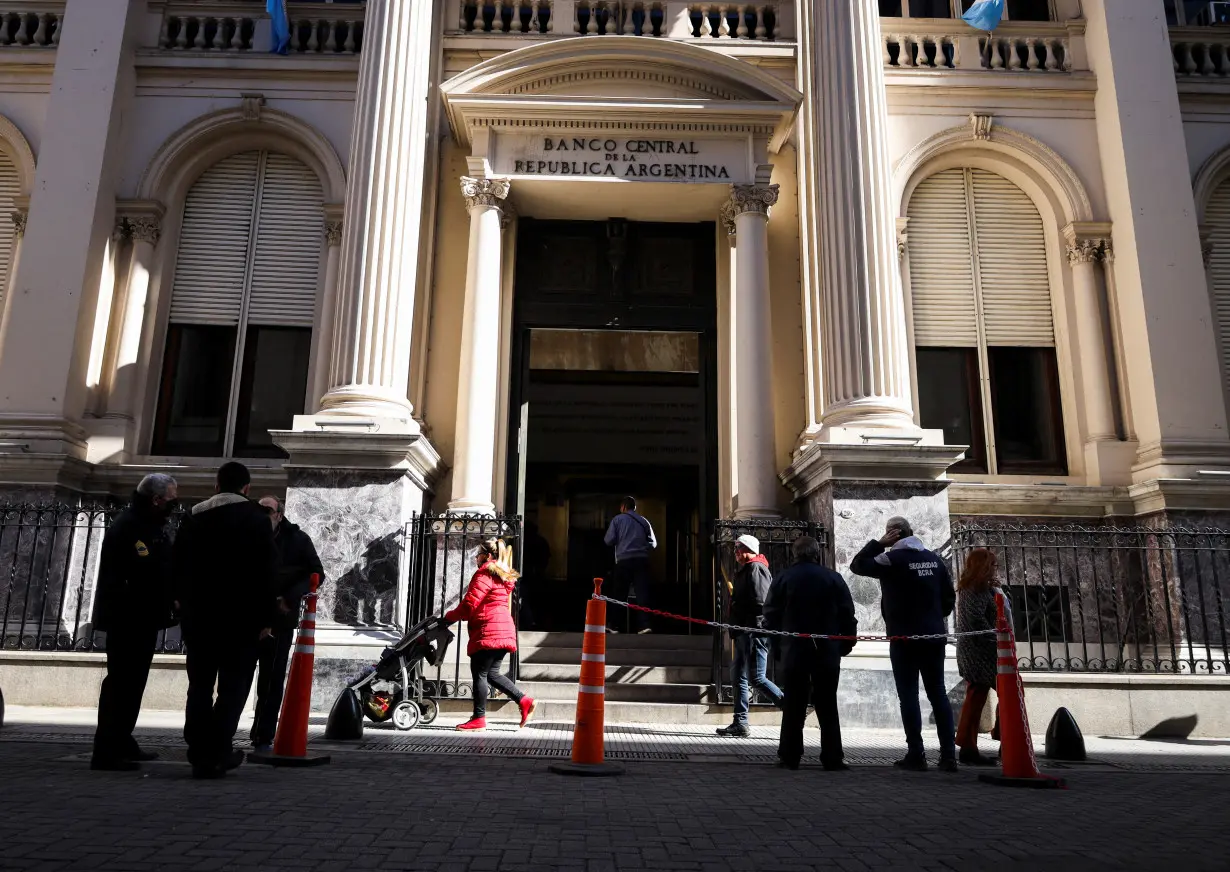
760,631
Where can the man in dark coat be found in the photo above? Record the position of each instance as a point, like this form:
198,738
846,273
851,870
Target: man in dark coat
750,665
297,563
226,566
133,602
810,598
917,596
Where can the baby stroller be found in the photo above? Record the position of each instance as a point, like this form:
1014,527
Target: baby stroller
392,689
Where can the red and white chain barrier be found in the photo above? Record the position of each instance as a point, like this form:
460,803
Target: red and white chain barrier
759,631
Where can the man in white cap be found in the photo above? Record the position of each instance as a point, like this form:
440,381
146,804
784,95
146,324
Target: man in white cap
750,588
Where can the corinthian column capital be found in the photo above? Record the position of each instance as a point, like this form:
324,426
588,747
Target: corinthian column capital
756,199
144,229
484,192
19,222
1085,251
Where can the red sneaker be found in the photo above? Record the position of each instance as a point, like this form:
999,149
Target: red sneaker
528,705
473,725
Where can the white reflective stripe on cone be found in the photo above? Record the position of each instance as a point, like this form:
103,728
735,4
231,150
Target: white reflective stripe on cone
593,658
595,628
591,688
310,616
305,649
1006,670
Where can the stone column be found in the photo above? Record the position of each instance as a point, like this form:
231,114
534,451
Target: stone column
478,383
1172,373
54,293
321,371
748,210
866,357
144,228
379,262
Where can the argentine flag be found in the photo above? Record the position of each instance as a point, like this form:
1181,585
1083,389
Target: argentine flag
281,26
985,14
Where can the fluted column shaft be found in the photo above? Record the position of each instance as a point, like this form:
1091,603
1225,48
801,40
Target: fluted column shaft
145,231
866,355
378,271
478,383
755,450
1085,256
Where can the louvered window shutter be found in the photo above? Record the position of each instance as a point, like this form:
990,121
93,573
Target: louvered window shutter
1012,273
212,264
941,267
286,265
10,188
1217,220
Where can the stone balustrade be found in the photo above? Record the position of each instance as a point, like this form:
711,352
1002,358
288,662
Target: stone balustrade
1201,51
31,24
672,19
950,45
233,26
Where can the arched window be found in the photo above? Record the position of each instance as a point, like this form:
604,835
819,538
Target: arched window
1217,225
242,308
984,334
10,188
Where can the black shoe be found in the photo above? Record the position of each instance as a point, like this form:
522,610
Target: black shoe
947,764
209,771
734,731
792,765
912,764
233,760
836,767
143,756
103,764
971,757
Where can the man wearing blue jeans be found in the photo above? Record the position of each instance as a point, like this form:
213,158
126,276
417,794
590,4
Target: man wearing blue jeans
749,590
917,596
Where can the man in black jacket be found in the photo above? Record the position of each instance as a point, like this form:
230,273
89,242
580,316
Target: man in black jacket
810,598
917,596
750,665
226,566
297,563
133,602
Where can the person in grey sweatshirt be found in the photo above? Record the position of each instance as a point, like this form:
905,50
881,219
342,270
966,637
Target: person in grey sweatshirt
632,538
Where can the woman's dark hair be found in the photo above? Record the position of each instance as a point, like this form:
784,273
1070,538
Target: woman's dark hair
978,571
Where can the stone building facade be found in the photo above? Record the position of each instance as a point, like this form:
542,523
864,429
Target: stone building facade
837,260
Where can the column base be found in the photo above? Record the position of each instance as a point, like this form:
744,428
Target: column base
852,491
352,487
471,507
42,453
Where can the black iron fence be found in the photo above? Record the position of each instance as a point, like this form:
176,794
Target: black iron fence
440,553
49,554
776,539
1112,598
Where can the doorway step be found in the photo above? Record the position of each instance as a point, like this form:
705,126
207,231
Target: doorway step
650,679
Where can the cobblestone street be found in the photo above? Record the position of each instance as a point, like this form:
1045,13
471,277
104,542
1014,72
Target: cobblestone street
686,802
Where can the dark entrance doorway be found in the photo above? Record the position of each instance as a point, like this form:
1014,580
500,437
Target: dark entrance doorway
614,341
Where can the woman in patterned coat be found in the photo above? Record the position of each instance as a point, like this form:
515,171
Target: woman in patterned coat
977,658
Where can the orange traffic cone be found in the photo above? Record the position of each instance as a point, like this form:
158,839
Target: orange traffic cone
587,751
1019,766
290,741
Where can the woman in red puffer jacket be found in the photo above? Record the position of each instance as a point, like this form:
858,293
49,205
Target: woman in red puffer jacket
487,607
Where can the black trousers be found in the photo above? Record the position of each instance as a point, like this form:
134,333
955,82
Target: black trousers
130,651
270,685
633,575
485,669
209,723
811,680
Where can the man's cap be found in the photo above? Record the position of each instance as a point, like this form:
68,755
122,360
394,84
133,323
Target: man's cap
751,543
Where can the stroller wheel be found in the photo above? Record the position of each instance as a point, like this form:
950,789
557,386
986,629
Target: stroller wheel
407,715
430,710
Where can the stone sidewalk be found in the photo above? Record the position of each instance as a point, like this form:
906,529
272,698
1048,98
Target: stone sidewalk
699,804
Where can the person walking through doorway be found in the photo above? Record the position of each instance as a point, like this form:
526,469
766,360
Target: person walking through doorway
631,535
487,607
751,658
917,596
226,565
811,598
297,563
134,602
977,656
